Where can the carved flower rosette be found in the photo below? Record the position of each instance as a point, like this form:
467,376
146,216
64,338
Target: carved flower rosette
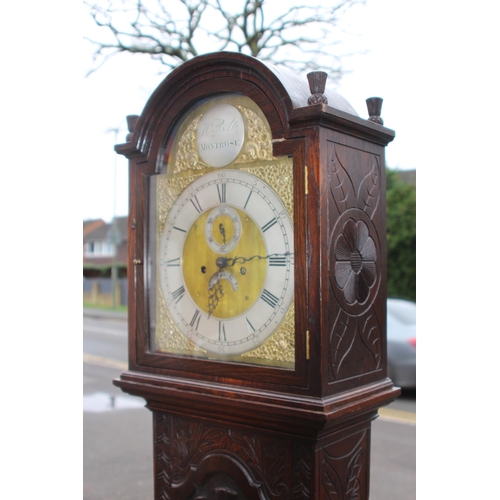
353,257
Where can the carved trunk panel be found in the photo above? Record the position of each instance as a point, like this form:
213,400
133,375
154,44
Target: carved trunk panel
344,467
197,460
201,461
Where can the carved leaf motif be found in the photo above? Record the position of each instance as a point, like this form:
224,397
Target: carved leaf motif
162,442
191,442
369,190
353,473
269,461
331,481
341,339
162,485
301,471
371,338
251,448
274,466
341,186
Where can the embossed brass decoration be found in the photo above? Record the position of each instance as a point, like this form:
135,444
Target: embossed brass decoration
184,167
258,145
257,141
281,345
186,157
168,336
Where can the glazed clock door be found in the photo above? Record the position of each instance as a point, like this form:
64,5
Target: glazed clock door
225,239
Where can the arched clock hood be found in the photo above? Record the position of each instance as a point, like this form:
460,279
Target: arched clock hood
264,82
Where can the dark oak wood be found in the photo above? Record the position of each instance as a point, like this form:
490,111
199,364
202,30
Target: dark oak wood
234,430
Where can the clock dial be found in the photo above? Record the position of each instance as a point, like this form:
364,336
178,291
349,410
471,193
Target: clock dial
226,262
223,229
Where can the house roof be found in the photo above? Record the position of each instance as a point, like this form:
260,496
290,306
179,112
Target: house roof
91,225
103,232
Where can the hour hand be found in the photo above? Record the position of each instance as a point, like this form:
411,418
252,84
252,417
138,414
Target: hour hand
223,233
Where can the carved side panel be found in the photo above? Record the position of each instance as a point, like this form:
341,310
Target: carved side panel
302,470
356,262
345,468
161,426
198,461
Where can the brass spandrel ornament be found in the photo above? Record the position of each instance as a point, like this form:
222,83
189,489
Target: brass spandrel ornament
186,157
258,145
257,140
168,336
167,192
281,345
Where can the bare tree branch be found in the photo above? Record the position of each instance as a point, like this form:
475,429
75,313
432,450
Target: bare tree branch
300,36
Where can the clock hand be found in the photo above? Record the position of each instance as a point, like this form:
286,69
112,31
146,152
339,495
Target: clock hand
223,232
215,284
223,262
231,261
222,275
215,296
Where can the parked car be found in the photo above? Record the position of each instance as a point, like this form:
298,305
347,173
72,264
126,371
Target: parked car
402,343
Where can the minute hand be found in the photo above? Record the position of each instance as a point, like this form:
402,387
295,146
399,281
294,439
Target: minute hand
231,261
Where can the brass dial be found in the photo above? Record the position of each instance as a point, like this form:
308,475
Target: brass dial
226,262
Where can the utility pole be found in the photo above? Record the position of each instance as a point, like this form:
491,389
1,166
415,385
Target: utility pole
114,229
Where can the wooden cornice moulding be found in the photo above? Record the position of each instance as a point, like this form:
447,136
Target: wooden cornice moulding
335,119
264,408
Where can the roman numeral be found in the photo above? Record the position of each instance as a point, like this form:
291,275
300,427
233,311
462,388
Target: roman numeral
196,319
269,298
222,331
221,191
178,294
196,204
277,260
174,262
250,324
248,199
270,224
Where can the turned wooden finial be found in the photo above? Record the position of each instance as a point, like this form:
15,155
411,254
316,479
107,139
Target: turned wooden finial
131,123
317,83
374,105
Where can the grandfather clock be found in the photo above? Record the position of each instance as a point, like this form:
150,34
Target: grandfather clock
257,288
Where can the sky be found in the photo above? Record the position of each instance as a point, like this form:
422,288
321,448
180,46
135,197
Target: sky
388,65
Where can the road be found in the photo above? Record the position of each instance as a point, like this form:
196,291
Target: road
117,444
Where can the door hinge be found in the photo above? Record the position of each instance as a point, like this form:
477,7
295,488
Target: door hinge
308,352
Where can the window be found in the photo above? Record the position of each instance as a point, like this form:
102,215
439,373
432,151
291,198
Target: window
99,249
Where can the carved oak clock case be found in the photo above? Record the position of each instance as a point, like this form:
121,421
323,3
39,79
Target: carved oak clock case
257,284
